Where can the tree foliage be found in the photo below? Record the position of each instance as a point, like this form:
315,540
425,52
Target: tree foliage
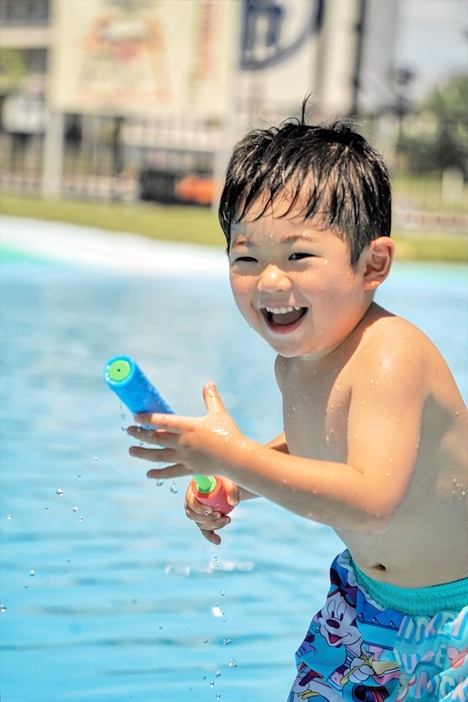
447,146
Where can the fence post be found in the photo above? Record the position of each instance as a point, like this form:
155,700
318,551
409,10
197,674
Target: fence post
52,168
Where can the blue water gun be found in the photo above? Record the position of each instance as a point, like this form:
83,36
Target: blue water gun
131,385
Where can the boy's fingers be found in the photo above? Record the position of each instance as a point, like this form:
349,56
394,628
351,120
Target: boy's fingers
212,537
162,455
175,471
171,422
149,436
212,398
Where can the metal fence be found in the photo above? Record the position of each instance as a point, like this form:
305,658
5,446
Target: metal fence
167,159
173,160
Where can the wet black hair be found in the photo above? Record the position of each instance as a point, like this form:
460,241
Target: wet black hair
329,167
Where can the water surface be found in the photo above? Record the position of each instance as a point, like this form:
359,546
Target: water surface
110,594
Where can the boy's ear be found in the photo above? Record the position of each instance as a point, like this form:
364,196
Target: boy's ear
378,261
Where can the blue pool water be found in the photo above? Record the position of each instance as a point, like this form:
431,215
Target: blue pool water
108,592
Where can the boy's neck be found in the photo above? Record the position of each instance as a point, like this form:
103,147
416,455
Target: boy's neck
317,357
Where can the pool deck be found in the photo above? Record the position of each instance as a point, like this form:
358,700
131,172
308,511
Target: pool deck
88,247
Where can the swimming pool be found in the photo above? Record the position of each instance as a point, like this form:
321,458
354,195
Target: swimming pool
108,592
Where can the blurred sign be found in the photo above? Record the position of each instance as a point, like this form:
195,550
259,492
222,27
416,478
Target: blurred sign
274,30
134,56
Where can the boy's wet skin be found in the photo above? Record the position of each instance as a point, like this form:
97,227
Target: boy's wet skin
337,408
375,429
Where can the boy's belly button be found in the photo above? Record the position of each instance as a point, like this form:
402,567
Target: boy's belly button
380,567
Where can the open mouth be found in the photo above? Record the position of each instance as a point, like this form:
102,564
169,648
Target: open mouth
283,318
333,638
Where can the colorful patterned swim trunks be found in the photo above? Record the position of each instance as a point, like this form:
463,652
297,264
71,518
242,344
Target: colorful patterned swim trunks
373,642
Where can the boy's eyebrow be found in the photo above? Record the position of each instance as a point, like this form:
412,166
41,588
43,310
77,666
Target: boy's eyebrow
241,240
305,236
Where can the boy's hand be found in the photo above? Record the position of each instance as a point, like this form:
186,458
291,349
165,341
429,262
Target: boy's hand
207,520
193,446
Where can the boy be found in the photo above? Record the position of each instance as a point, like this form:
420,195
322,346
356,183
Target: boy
375,431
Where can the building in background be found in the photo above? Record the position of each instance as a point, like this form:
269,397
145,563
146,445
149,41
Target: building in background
145,98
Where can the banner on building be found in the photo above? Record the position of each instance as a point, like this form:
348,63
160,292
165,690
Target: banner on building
136,56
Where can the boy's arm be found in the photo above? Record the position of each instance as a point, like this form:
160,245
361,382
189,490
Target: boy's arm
361,495
209,521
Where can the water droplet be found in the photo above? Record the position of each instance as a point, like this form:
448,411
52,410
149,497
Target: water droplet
218,696
227,641
216,612
159,482
222,593
2,608
325,262
160,626
8,516
96,458
218,674
59,491
32,573
173,489
75,509
205,641
388,473
371,381
78,476
232,663
211,684
390,460
80,519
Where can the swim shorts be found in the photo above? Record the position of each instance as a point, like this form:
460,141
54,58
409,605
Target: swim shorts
374,642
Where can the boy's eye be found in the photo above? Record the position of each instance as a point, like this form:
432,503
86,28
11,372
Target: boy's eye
298,256
248,259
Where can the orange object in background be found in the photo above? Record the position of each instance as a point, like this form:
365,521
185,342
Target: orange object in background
196,188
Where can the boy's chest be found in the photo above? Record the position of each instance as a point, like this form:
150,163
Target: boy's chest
315,415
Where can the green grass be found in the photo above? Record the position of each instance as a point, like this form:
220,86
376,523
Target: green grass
430,246
190,224
199,225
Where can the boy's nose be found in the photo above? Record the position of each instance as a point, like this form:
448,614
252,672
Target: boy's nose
273,278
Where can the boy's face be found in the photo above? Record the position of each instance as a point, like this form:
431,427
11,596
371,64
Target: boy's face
293,282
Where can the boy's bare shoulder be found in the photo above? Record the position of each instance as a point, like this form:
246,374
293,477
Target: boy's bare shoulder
385,334
397,353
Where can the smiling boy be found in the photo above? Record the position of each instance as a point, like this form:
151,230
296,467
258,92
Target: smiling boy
375,431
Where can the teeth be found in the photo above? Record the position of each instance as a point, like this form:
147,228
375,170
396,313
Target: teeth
281,310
